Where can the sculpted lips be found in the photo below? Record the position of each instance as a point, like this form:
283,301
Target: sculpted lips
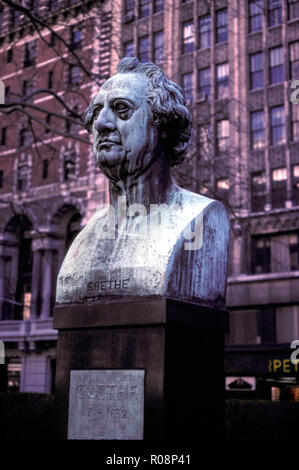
105,142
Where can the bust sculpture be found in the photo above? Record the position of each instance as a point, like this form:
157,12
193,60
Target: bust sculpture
153,239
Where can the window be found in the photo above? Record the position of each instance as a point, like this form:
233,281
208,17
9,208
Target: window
15,18
294,60
261,254
30,53
205,81
1,17
73,126
52,39
50,80
158,46
222,130
294,252
255,15
32,4
243,327
25,137
69,166
257,130
287,321
22,181
275,252
267,325
143,48
3,135
188,86
222,88
48,122
129,10
9,55
14,370
222,186
129,49
144,8
296,185
75,75
1,178
76,38
258,191
188,37
158,6
293,9
274,12
204,31
221,26
277,125
7,93
256,71
295,121
27,88
276,65
53,5
279,187
45,169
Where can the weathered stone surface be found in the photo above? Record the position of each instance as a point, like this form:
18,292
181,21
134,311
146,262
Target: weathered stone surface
106,405
154,238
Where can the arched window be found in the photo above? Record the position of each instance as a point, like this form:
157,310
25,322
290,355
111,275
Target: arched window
17,272
72,229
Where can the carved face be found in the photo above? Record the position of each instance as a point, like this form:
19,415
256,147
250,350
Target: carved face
124,138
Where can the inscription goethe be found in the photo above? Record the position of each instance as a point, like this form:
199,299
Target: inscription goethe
108,284
108,392
106,404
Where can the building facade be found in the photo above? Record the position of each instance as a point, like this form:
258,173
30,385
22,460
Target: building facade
236,61
49,186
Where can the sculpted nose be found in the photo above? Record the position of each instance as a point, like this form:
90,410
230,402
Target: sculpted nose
105,120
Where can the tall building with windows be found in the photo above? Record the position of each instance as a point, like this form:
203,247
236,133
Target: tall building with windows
236,61
49,186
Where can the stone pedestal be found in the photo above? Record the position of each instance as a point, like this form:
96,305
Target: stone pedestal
179,346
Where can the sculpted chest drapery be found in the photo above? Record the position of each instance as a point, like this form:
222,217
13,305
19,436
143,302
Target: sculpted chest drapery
154,238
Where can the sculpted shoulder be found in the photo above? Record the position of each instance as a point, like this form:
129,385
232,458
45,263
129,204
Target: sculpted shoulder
193,204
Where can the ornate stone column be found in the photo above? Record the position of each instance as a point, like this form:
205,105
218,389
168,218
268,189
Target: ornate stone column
2,287
7,286
43,249
36,274
47,263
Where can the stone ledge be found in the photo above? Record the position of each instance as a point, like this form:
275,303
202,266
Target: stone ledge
139,312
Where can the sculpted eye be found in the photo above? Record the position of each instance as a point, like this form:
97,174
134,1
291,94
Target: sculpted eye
96,111
121,107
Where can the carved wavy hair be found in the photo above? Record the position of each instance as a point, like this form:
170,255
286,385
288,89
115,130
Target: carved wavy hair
170,115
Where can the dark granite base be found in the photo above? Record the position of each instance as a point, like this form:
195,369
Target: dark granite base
179,345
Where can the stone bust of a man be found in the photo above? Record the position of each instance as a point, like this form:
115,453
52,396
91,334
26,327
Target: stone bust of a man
153,239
